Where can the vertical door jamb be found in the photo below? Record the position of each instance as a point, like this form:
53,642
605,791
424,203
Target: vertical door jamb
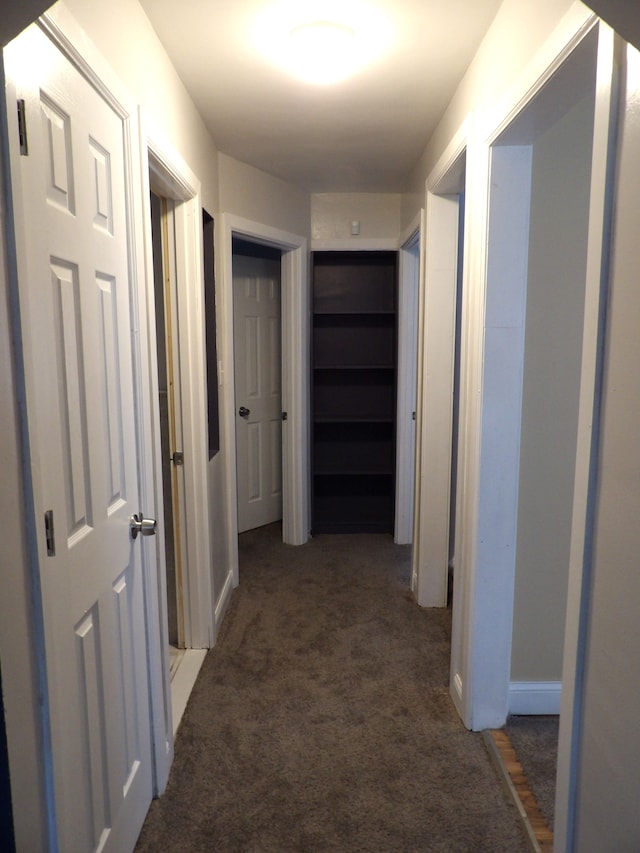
171,331
609,60
178,183
436,363
409,274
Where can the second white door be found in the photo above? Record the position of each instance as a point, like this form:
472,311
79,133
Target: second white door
257,354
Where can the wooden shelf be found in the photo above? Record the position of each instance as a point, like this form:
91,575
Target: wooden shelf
353,420
354,472
353,313
354,367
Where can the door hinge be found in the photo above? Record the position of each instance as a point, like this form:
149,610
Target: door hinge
22,128
178,458
49,533
284,416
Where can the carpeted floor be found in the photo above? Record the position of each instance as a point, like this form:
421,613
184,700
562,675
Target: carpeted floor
322,721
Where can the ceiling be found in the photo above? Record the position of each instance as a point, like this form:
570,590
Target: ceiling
364,134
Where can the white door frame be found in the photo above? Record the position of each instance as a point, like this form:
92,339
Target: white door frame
175,180
295,377
409,280
410,275
436,366
256,389
491,387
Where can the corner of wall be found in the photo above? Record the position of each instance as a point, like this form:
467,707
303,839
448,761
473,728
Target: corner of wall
250,193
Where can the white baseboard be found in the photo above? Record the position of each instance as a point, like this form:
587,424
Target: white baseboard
535,697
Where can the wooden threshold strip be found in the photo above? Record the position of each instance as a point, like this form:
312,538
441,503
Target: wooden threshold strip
504,757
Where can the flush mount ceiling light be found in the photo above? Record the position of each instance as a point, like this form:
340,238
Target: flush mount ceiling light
322,42
322,51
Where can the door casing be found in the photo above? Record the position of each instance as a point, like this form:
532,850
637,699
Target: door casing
295,371
437,342
410,270
266,405
172,177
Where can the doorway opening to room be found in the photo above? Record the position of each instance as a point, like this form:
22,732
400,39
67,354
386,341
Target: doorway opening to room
539,215
530,376
167,350
409,272
547,173
180,432
294,366
440,313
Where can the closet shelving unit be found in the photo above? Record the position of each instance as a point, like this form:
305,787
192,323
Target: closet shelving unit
354,391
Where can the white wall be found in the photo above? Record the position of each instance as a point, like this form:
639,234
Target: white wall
516,34
247,192
123,34
332,214
560,181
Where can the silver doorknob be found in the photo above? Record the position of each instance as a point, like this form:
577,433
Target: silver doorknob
244,412
139,524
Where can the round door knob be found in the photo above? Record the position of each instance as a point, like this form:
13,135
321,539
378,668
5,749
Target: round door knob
139,524
244,412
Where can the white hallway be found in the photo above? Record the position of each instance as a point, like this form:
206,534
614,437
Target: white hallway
496,659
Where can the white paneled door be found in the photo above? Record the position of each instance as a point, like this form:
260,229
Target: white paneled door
257,352
72,185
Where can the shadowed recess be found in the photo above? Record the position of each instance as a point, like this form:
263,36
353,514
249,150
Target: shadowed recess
322,721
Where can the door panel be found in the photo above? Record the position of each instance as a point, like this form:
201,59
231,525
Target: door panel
76,279
256,288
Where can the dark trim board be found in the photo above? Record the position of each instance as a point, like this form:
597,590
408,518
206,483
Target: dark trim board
504,758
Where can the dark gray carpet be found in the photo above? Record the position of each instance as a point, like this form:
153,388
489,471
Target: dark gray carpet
535,741
321,721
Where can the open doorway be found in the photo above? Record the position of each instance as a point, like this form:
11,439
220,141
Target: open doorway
407,386
294,287
556,178
538,191
164,281
434,554
178,439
